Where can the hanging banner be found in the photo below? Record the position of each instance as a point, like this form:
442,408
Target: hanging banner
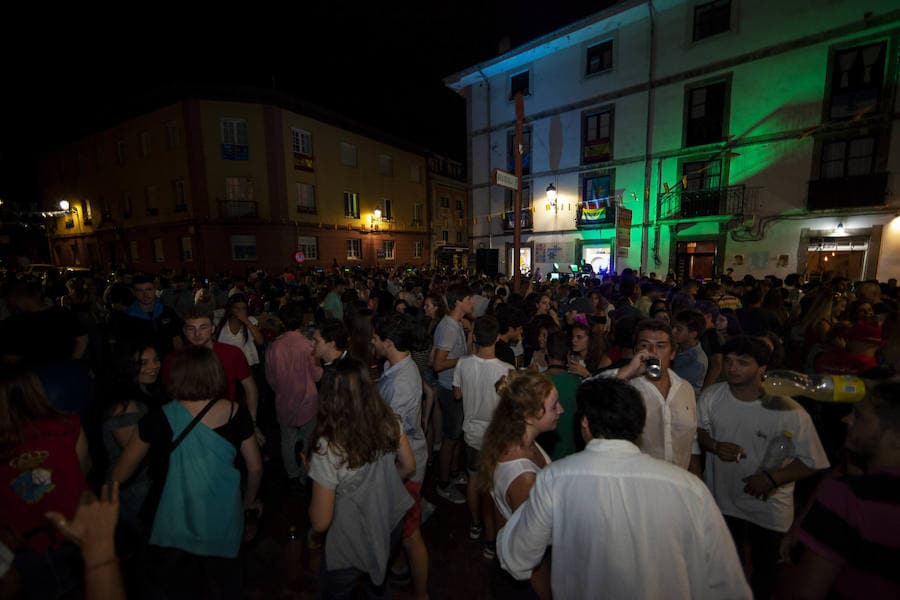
623,228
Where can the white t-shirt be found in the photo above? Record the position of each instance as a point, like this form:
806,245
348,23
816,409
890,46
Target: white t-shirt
476,378
751,425
248,346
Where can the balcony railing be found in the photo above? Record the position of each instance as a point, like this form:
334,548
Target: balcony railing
509,220
733,201
848,192
235,209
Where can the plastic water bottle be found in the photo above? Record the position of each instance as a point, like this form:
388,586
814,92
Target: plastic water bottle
779,451
822,388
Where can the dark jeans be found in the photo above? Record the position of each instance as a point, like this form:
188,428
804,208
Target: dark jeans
52,575
179,574
764,549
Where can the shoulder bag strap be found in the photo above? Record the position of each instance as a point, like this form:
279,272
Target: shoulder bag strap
192,424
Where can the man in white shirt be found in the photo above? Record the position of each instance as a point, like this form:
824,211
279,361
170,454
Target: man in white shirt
670,433
736,421
622,524
474,382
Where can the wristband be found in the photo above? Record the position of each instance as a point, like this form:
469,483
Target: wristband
101,564
772,479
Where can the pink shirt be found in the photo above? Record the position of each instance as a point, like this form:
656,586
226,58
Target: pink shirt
292,370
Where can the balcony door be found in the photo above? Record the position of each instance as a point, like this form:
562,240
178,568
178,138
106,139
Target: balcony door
695,260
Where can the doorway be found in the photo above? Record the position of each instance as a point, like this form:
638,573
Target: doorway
836,257
695,260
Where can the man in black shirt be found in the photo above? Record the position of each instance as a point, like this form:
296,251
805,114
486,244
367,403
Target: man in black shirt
512,322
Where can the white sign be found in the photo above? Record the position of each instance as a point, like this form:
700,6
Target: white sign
507,180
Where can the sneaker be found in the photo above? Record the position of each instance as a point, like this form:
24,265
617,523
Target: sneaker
475,531
427,510
459,478
450,493
489,550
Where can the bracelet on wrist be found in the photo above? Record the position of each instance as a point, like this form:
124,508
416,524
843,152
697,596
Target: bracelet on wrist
101,564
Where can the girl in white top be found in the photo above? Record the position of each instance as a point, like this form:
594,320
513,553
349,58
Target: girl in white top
241,330
510,457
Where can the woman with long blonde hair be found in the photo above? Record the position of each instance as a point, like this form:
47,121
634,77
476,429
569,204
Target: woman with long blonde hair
510,457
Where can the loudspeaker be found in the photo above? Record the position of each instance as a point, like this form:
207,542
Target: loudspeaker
487,261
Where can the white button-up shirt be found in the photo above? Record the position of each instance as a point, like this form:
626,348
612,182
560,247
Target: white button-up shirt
670,432
623,525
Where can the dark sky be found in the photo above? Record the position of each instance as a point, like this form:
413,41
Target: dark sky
380,63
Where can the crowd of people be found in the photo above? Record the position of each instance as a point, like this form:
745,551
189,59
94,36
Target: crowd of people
609,435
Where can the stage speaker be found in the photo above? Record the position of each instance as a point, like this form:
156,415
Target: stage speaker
487,261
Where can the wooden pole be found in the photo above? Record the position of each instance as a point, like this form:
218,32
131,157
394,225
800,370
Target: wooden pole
517,215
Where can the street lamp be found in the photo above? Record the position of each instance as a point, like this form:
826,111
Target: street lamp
64,204
551,198
376,219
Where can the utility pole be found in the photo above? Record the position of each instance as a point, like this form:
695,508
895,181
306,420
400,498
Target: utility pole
517,229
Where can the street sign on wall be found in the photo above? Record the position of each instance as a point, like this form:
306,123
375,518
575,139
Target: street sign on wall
504,179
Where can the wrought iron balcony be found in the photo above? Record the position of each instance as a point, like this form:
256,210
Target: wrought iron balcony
732,201
235,209
509,220
848,192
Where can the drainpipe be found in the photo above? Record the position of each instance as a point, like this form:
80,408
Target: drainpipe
648,145
487,111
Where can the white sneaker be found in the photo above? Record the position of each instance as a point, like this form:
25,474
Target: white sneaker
450,493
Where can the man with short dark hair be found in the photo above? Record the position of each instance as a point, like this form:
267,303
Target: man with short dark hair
333,305
561,442
737,420
451,344
401,387
330,341
148,319
851,533
511,321
670,432
690,362
623,524
292,370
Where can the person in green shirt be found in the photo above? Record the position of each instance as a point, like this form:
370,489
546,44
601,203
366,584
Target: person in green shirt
561,442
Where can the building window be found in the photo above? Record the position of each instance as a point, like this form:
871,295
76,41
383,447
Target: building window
520,82
309,246
417,249
351,205
178,195
385,165
187,249
158,253
133,251
597,201
354,249
445,202
417,215
459,237
172,136
705,119
415,173
599,58
127,208
526,151
848,158
306,198
234,139
702,175
510,198
145,143
348,155
87,211
445,236
596,143
120,152
243,247
388,247
151,198
711,18
239,189
857,77
387,212
301,141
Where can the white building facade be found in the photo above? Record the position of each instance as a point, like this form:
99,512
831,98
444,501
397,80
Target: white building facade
696,137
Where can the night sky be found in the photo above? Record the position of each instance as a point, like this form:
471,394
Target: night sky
381,64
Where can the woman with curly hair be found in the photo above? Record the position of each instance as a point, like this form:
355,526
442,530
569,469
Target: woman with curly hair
357,468
510,457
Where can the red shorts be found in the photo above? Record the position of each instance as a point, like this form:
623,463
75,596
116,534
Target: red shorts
413,517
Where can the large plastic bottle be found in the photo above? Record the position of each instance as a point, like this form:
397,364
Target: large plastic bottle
778,452
823,388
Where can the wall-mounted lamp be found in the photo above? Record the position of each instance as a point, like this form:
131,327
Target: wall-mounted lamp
64,204
376,219
551,198
839,230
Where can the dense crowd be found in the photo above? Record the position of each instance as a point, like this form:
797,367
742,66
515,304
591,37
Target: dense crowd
609,435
